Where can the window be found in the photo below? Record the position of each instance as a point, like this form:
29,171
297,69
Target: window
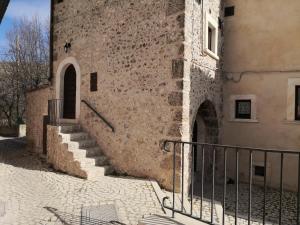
229,11
259,171
211,37
93,82
243,109
293,100
297,104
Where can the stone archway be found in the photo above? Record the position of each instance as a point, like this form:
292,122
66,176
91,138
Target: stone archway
206,122
69,67
69,101
205,130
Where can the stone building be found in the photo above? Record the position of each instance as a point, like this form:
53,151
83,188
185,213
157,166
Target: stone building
130,74
3,7
261,70
149,68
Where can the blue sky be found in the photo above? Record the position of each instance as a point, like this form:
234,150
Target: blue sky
22,8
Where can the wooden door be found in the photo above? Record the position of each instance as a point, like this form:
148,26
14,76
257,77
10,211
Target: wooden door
69,108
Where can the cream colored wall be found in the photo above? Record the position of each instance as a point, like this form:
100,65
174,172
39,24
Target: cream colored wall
272,129
263,37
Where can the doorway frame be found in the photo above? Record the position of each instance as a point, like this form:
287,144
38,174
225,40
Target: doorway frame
60,74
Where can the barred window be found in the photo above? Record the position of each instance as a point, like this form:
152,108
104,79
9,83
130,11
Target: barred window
297,105
243,109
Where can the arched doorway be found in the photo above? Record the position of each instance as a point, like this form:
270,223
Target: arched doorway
205,130
206,124
69,104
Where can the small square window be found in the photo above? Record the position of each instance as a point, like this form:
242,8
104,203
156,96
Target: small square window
259,171
211,37
93,82
243,109
229,11
297,104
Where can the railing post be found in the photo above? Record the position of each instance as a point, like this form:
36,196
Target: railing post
281,188
213,185
192,179
174,177
265,188
182,175
237,187
298,194
224,185
250,187
202,181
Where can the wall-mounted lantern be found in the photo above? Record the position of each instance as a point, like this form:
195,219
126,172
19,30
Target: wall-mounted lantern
67,46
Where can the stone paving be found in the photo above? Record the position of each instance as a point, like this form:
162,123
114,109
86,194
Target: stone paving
289,205
28,186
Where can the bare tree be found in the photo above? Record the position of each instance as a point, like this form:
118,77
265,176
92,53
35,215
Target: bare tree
25,66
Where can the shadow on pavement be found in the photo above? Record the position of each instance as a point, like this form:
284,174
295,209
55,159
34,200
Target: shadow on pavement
71,219
14,152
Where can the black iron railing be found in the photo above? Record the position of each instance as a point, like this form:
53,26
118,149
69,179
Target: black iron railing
55,111
99,115
219,168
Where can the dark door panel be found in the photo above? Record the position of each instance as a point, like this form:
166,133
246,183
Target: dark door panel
70,93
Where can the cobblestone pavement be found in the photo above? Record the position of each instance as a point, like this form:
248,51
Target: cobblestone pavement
28,186
289,205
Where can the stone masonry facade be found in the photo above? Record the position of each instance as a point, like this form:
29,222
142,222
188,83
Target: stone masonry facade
36,109
152,74
202,73
134,46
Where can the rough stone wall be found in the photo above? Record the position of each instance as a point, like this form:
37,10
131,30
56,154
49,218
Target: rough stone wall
202,73
202,79
59,156
36,108
136,48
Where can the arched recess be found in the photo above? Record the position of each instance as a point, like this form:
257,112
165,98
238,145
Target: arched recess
205,130
68,63
206,123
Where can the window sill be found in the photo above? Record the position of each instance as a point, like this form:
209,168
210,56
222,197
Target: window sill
295,122
212,54
244,120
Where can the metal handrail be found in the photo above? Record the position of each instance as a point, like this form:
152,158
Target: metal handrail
177,148
99,115
287,151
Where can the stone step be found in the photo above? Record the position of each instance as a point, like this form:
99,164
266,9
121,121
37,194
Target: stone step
78,153
101,161
97,161
74,136
96,172
94,151
79,136
82,144
87,152
70,128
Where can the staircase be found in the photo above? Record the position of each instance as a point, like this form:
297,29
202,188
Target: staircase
86,153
